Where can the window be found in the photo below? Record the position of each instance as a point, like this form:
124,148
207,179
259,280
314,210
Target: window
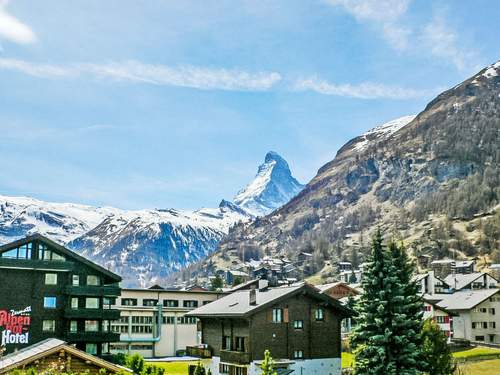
91,348
479,338
21,252
49,302
91,326
493,325
492,311
74,302
57,257
75,281
485,325
73,326
92,280
483,309
223,369
129,301
190,304
240,344
277,315
91,303
441,319
169,319
170,303
107,302
226,342
240,370
105,325
298,324
298,354
319,315
51,279
48,325
206,302
149,302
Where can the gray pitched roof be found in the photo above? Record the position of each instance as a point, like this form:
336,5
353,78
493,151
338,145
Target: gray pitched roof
464,299
462,280
237,304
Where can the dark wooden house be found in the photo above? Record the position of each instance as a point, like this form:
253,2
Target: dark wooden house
299,325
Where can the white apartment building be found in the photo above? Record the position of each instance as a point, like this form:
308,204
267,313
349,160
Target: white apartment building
138,324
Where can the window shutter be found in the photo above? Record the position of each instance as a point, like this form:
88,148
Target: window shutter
270,315
285,315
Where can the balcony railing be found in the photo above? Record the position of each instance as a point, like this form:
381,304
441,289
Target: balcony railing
37,264
195,351
110,314
93,337
87,290
239,358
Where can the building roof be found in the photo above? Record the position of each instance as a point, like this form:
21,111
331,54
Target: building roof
495,266
237,304
238,273
442,261
63,250
459,281
463,299
46,347
464,263
325,287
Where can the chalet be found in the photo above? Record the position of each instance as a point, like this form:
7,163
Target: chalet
52,292
429,283
471,281
476,317
344,266
298,324
234,275
464,267
337,290
440,315
442,267
52,355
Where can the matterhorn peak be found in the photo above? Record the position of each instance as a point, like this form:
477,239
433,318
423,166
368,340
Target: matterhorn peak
272,187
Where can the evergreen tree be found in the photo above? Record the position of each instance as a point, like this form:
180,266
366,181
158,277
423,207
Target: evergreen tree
216,283
436,355
267,365
387,334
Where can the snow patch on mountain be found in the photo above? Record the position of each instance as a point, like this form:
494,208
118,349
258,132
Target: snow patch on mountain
272,187
381,132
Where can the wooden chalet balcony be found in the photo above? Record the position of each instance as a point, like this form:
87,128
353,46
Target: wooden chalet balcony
239,358
36,264
107,314
98,291
195,351
93,337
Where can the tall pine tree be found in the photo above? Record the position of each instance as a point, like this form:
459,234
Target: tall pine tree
387,336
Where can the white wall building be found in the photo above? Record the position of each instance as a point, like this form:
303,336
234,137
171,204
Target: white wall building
138,323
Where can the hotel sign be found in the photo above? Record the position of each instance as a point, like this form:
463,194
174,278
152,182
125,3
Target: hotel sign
15,326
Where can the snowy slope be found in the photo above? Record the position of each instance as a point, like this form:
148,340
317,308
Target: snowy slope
60,221
381,131
272,187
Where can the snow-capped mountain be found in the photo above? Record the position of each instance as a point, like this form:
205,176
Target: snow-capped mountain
272,187
145,246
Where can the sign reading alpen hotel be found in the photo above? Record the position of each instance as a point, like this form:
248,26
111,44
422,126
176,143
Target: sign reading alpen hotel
14,326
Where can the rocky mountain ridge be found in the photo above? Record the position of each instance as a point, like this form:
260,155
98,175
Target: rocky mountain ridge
423,179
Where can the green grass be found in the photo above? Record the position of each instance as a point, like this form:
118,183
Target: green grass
347,360
177,368
476,352
481,368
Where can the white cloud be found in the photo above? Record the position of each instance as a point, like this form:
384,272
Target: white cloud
134,71
12,29
367,90
443,42
384,14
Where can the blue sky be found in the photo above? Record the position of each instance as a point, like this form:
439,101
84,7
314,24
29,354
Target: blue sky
175,103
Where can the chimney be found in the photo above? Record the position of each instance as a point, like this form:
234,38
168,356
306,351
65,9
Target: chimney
253,297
